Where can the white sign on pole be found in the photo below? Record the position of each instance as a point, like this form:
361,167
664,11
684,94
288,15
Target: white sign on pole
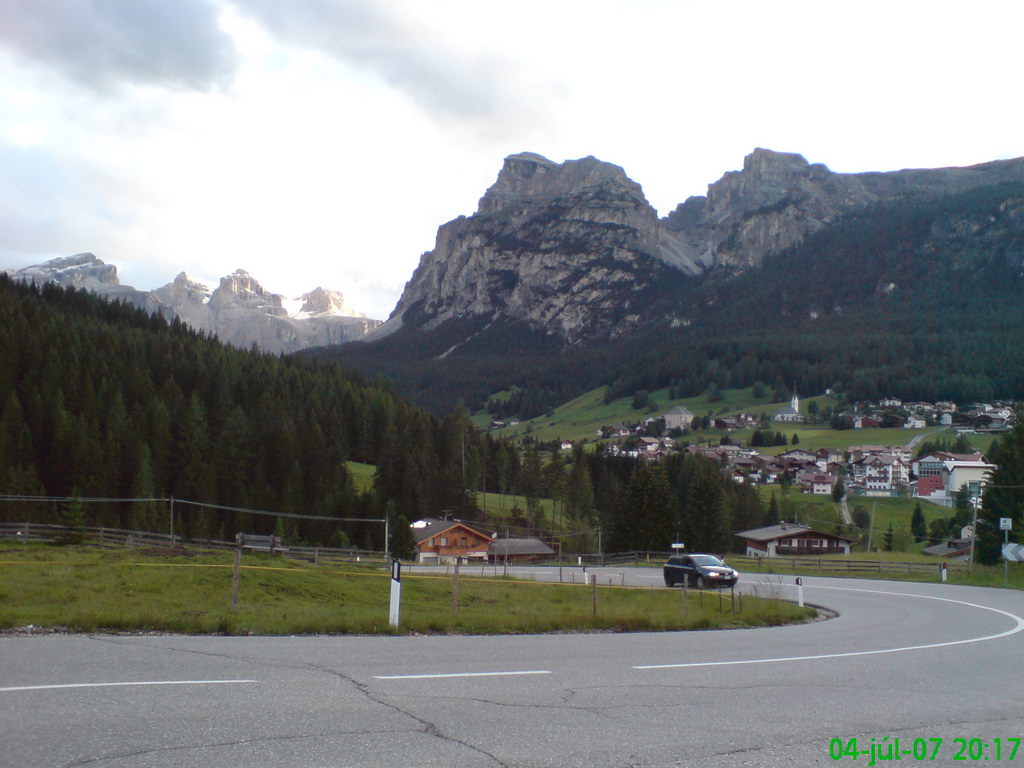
1005,524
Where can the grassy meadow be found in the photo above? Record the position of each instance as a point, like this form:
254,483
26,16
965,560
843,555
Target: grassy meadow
824,514
89,590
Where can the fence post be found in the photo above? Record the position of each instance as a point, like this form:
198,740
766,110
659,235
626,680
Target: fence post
236,575
593,591
455,590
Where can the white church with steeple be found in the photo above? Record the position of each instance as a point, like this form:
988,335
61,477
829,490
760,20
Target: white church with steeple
790,413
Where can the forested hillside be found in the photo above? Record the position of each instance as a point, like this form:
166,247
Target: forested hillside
101,399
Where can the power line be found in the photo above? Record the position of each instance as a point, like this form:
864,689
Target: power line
245,510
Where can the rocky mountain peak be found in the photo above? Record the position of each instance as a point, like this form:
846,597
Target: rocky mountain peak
571,249
240,289
240,311
529,178
183,289
321,301
83,270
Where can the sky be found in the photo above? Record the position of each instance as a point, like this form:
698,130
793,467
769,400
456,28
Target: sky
323,142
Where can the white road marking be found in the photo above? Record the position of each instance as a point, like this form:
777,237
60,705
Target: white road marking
463,674
1017,619
112,685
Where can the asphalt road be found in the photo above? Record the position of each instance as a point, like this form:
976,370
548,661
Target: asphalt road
907,661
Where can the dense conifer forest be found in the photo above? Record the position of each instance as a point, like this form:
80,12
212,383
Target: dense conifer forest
100,399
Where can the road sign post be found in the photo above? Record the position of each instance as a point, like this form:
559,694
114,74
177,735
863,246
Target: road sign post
800,591
1010,552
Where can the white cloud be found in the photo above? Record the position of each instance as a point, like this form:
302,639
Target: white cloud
101,43
324,141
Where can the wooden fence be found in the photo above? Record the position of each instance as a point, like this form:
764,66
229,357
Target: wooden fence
114,537
805,563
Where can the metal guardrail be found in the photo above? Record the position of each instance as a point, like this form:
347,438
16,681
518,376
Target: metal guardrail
102,536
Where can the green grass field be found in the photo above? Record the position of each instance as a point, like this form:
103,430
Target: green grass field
90,590
362,475
824,514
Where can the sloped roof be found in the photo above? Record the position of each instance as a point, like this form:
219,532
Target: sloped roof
785,531
520,547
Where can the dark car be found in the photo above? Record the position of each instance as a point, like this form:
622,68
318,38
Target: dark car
699,571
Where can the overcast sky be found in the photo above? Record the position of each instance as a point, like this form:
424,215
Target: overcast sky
322,142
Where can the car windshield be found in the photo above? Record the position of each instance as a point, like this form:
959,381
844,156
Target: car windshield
706,560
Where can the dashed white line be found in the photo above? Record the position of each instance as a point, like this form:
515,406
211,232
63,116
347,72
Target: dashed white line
464,674
113,685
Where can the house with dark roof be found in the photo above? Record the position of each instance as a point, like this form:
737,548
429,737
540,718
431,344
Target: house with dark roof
793,539
444,541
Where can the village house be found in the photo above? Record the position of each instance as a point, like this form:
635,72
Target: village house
679,417
914,422
793,539
444,541
813,481
866,422
880,474
826,458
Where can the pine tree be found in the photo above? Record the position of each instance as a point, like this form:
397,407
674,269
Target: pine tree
772,516
887,541
706,525
917,523
839,490
647,520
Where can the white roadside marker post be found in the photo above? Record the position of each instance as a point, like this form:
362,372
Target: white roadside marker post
800,591
396,591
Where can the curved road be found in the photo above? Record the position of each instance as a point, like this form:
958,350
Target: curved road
901,660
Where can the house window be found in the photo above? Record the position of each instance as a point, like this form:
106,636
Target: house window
444,541
465,543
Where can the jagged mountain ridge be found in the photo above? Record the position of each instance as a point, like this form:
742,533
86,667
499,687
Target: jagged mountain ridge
877,280
575,250
239,311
